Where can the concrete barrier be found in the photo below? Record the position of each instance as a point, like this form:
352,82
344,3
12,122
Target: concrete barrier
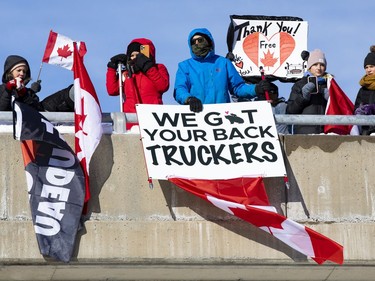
165,233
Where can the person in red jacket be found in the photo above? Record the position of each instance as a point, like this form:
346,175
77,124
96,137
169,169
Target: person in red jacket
144,80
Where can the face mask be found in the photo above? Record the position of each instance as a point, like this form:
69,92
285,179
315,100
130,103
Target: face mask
200,47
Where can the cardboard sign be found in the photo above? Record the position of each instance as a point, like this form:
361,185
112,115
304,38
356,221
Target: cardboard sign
273,43
223,141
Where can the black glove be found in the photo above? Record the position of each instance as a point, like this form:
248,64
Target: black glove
230,56
115,60
262,87
195,104
143,63
305,55
36,87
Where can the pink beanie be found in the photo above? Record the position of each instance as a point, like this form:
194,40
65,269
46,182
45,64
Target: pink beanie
316,56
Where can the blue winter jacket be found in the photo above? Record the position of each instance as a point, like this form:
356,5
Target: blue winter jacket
210,79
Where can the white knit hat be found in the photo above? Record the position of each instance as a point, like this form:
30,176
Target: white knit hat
18,65
316,56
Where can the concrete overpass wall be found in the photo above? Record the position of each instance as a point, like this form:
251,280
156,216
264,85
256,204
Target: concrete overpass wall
165,233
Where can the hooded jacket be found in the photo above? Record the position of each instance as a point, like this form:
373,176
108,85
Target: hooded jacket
140,88
29,98
11,61
59,101
210,79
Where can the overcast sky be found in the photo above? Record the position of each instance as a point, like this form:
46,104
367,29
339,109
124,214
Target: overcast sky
342,29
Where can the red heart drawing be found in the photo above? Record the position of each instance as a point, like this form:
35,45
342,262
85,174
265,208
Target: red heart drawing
239,64
251,46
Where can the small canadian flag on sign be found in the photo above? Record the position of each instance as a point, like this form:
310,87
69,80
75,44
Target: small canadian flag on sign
59,50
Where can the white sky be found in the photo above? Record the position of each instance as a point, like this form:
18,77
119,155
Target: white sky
342,29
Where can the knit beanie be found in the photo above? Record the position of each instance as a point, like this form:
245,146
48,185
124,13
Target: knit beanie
133,47
316,56
370,58
205,36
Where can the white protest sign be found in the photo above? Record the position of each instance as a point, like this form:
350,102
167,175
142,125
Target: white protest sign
275,45
223,141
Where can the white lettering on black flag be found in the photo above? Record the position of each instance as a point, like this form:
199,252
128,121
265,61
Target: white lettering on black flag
55,183
223,141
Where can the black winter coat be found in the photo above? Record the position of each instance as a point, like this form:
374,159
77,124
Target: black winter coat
365,96
59,101
315,106
29,98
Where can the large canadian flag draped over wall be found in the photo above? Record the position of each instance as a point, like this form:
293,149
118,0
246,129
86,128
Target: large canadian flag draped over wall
87,117
247,199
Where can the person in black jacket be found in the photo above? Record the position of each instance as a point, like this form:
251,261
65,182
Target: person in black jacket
309,95
365,100
16,76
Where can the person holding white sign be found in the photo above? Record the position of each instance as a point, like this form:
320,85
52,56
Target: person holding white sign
309,95
207,78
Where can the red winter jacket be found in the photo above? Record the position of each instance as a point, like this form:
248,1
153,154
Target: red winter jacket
142,88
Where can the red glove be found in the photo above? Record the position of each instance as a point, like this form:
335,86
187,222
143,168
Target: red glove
21,92
16,83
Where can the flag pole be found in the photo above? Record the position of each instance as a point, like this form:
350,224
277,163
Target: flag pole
40,70
119,70
261,69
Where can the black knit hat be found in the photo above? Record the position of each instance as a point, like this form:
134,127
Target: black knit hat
370,58
205,36
133,47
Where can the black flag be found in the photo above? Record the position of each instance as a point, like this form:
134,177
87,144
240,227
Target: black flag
55,182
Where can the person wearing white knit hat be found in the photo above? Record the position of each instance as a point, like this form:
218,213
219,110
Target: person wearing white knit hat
309,95
15,78
316,56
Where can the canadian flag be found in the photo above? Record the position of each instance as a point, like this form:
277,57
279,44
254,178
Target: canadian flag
247,199
60,51
87,117
339,104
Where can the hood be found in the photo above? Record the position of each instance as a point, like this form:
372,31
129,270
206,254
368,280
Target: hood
11,61
145,41
205,32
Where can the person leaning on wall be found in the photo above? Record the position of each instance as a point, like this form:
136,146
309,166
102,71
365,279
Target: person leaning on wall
207,78
278,107
365,100
17,75
309,95
143,80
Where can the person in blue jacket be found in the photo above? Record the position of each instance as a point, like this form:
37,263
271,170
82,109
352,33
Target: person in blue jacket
207,78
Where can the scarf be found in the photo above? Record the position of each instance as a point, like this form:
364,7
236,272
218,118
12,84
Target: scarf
368,81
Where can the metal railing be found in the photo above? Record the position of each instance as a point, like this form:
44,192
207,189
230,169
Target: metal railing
118,120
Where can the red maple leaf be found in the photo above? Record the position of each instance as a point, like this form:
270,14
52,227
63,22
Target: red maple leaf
64,52
269,60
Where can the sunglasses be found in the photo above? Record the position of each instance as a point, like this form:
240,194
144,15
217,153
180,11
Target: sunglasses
195,40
